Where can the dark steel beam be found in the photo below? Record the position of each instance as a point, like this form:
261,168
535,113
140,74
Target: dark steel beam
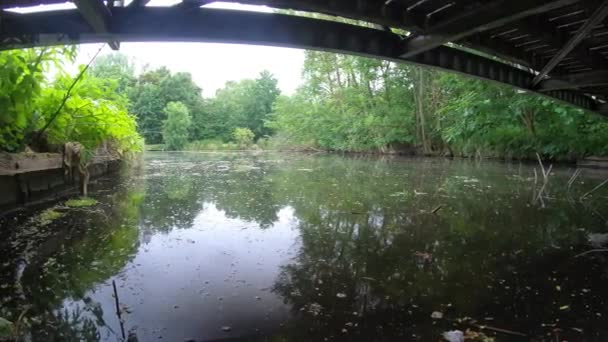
98,16
575,81
192,3
385,13
598,16
548,33
482,18
138,3
212,25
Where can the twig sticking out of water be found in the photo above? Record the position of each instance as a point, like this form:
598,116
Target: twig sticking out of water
546,173
592,251
122,328
499,330
595,189
437,208
575,175
488,327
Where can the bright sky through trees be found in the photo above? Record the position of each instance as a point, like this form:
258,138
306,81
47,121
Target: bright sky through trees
211,65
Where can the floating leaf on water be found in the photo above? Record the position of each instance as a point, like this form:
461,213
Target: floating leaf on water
564,307
437,315
341,295
226,328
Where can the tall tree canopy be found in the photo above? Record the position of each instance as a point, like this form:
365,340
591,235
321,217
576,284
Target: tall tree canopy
247,104
151,93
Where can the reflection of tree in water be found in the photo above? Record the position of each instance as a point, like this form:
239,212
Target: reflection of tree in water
240,189
87,250
247,195
372,266
75,324
171,202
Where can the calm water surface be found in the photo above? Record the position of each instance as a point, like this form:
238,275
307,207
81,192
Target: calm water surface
293,247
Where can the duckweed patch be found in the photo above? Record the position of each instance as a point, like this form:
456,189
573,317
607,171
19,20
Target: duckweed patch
81,202
48,216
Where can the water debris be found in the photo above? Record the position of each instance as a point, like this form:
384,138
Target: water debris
226,328
437,208
597,240
437,315
592,251
341,295
80,202
124,308
314,309
453,336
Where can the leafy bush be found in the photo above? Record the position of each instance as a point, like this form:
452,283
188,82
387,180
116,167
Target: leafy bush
32,112
243,136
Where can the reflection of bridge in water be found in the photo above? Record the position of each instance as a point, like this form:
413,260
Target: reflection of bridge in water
555,47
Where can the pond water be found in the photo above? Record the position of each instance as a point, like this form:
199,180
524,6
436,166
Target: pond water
296,247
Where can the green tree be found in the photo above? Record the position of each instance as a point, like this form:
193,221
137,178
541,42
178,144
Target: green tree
115,67
151,93
247,103
175,127
351,103
243,136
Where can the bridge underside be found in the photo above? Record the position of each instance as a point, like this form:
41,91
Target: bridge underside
558,48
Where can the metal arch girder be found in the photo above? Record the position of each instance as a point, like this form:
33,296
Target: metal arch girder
213,25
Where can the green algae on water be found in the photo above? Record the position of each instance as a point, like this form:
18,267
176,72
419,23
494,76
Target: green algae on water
48,216
80,202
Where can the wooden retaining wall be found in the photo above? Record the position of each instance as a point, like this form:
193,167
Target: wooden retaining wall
27,177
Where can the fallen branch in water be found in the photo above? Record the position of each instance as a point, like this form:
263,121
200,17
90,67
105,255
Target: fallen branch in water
595,189
437,209
539,196
499,330
592,251
488,327
575,175
122,327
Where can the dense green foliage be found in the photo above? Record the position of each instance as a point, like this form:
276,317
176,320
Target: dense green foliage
346,103
246,104
243,136
352,103
39,111
175,127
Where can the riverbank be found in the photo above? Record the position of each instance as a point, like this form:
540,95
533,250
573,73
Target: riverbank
587,162
26,178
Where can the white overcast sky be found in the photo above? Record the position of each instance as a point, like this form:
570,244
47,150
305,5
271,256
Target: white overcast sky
210,64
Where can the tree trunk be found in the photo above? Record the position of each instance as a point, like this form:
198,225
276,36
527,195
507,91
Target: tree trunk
419,95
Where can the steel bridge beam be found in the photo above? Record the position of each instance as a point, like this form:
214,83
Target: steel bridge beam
598,16
213,25
98,16
575,81
483,18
